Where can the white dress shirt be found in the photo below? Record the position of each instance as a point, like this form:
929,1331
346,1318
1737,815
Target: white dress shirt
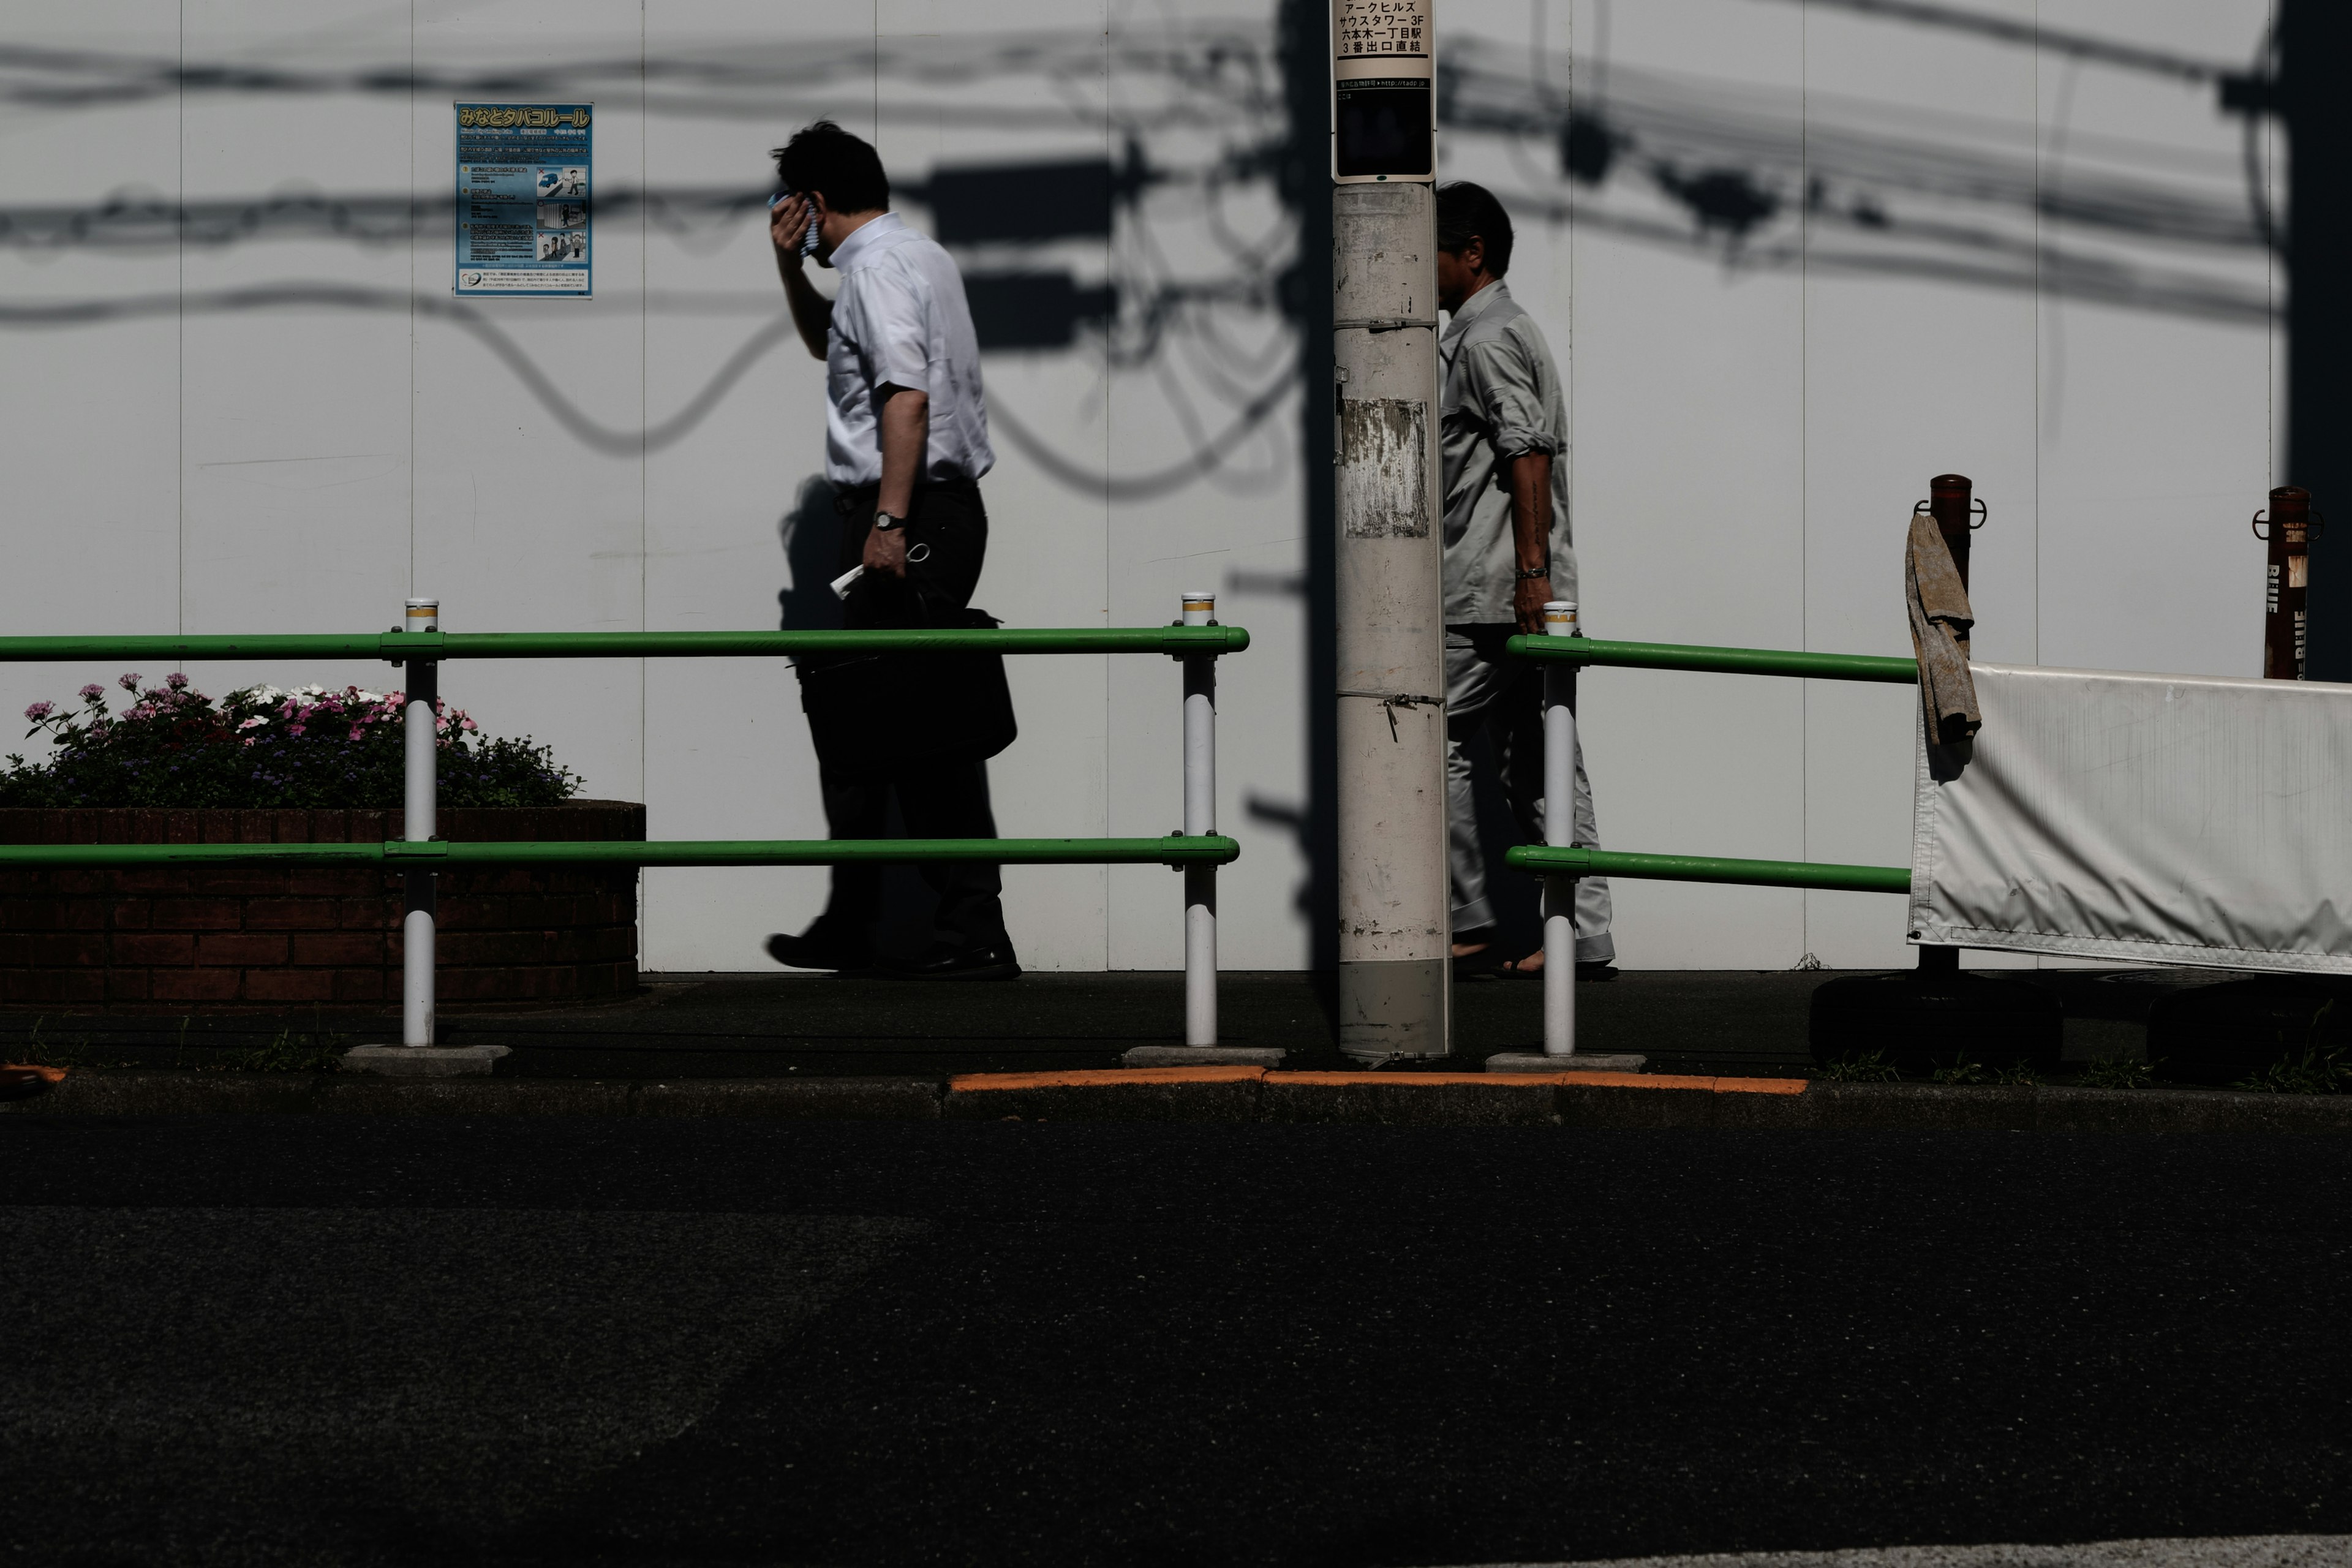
901,319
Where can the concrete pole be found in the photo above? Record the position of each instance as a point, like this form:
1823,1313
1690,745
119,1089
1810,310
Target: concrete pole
1395,900
418,824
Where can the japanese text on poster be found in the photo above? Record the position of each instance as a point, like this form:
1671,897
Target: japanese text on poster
523,176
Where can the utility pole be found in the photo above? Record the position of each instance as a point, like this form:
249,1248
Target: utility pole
2314,49
1395,904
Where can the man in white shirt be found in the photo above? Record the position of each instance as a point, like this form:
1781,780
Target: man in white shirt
905,443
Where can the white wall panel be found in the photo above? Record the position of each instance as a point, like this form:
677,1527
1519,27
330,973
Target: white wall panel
1828,252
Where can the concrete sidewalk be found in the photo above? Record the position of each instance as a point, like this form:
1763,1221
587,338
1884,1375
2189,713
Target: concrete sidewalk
781,1025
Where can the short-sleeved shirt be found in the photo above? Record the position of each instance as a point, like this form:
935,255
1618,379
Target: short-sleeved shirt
901,319
1501,400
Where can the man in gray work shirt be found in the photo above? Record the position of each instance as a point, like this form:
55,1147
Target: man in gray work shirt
1503,426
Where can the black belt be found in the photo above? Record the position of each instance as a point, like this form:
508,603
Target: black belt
848,499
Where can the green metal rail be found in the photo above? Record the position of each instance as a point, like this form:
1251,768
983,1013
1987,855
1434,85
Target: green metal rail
1175,849
1172,640
1722,660
1541,858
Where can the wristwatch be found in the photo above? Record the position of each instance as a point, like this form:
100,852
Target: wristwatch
1528,574
885,523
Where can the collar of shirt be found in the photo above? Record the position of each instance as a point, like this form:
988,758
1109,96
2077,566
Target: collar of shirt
863,238
1472,308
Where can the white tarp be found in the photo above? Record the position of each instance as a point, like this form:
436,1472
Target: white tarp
2175,820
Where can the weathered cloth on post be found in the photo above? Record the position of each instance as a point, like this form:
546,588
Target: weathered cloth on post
1940,619
2161,819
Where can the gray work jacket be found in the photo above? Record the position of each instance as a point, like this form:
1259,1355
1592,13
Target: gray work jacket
1502,399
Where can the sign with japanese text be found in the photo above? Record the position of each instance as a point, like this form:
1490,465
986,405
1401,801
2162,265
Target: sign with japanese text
523,215
1383,110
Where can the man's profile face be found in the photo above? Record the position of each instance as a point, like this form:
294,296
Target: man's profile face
1460,274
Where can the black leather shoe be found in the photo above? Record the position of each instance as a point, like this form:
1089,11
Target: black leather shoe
820,947
995,961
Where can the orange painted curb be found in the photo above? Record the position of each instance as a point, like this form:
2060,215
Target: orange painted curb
1091,1077
1760,1085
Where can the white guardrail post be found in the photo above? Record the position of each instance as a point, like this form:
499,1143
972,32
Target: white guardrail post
1559,828
1200,816
420,755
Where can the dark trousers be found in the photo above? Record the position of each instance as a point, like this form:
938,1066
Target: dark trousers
947,525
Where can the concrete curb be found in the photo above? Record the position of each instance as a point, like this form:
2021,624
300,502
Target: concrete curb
1223,1094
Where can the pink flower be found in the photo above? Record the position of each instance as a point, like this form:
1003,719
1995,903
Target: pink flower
40,710
249,723
296,728
92,691
176,681
355,732
129,682
468,724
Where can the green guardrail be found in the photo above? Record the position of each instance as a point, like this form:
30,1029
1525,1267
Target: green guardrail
1174,849
1722,660
1540,857
1172,640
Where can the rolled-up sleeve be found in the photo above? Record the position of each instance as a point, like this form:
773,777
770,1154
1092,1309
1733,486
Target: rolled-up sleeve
1500,380
890,328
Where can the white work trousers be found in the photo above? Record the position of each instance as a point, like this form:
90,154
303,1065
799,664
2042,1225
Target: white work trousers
1487,689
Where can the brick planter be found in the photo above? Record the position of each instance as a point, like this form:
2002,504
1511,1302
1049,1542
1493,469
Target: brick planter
170,938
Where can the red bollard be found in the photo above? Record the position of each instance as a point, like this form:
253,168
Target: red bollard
2286,629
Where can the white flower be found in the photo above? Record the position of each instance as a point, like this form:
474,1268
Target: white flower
371,696
249,723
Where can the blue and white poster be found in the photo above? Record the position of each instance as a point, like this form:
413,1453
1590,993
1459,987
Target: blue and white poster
524,171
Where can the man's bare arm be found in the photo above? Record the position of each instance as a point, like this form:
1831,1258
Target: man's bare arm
906,422
812,311
1530,536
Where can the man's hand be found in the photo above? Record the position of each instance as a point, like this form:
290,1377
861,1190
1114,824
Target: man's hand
1529,595
787,222
887,551
812,311
1530,485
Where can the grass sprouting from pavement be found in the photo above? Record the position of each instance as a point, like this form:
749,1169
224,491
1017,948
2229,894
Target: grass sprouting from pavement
2116,1072
2316,1071
1860,1066
293,1052
316,1049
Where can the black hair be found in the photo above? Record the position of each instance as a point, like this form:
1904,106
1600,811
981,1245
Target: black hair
1466,212
824,157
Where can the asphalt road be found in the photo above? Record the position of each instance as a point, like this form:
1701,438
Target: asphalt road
326,1339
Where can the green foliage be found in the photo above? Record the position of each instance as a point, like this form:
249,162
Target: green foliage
1860,1066
263,748
2315,1072
2116,1072
1959,1070
316,1049
2023,1074
293,1052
